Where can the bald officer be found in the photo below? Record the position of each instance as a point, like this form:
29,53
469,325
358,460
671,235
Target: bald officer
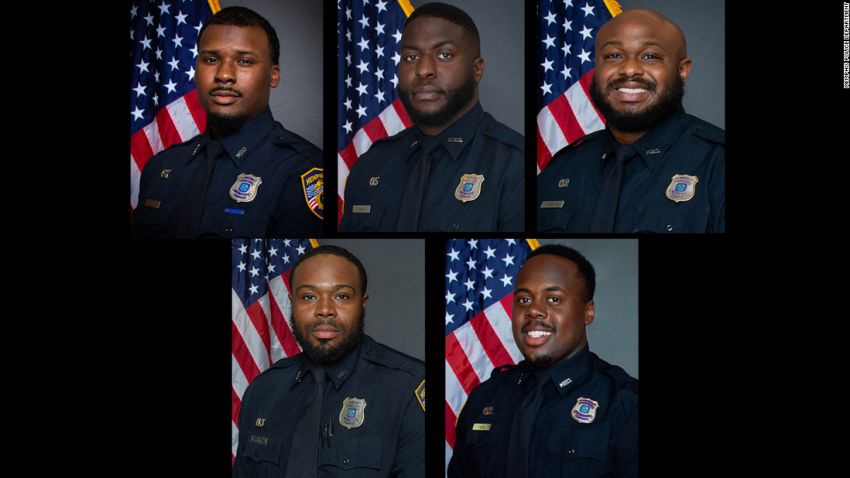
654,168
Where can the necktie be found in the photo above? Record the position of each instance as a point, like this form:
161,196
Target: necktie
304,453
411,203
523,425
609,196
193,203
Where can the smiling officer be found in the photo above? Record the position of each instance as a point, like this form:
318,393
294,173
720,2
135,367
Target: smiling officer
457,168
563,411
246,176
654,168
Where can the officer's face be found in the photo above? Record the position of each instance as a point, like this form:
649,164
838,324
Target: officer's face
328,306
234,73
641,70
550,312
439,71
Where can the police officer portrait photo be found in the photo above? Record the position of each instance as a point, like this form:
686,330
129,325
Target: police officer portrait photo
328,377
429,116
541,358
631,105
225,113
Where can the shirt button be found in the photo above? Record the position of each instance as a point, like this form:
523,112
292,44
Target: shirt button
455,226
572,451
346,461
228,229
669,227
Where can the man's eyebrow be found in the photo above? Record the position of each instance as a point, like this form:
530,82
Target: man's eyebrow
335,286
436,45
642,44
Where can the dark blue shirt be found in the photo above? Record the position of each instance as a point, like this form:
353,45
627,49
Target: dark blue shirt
601,442
475,146
675,184
279,163
388,441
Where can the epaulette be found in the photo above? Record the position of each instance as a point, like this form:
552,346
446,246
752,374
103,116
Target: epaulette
707,131
500,132
391,358
618,375
285,138
583,139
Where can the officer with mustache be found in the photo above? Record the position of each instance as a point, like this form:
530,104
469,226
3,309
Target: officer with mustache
654,168
457,169
563,411
246,176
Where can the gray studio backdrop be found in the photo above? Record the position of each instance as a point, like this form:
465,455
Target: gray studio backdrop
613,335
501,25
297,100
704,25
395,315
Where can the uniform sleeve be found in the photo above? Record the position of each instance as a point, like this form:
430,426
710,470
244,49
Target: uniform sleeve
347,223
626,459
410,449
460,466
294,215
240,465
512,207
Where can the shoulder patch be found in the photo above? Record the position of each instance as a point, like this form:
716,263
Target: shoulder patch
420,394
313,185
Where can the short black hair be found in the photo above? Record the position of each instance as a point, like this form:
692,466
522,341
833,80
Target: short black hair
245,17
333,251
585,268
446,12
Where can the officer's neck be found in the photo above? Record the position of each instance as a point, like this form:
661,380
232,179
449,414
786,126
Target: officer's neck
624,137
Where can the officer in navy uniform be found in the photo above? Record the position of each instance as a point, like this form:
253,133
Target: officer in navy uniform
654,168
457,168
347,406
563,411
246,176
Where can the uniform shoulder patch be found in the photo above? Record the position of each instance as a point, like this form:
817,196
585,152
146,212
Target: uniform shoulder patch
420,394
313,185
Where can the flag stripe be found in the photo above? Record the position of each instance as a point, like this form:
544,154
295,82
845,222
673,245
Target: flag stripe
490,342
451,419
460,364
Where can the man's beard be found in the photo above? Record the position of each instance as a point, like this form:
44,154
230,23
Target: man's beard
323,353
542,361
635,122
456,100
225,125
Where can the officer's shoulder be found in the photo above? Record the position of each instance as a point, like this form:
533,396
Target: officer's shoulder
280,366
586,139
617,375
392,359
284,138
501,132
395,141
706,131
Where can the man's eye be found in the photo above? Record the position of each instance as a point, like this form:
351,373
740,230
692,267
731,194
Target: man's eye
554,300
308,297
651,56
411,57
613,56
245,61
445,55
342,296
210,60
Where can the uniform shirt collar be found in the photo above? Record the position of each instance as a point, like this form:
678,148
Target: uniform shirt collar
652,146
454,138
570,372
240,144
338,371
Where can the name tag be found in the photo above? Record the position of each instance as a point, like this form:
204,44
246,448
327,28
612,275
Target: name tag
259,440
361,209
484,427
152,203
551,204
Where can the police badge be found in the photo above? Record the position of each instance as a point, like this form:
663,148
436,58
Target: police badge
245,187
682,187
469,187
313,185
584,410
351,415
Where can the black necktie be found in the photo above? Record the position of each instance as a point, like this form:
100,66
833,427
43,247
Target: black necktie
523,425
193,203
609,196
411,203
304,453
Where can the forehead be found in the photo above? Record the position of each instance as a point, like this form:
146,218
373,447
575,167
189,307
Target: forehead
328,267
217,37
426,31
548,270
638,27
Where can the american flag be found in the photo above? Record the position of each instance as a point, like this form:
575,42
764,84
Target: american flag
164,108
261,309
566,53
480,276
368,37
